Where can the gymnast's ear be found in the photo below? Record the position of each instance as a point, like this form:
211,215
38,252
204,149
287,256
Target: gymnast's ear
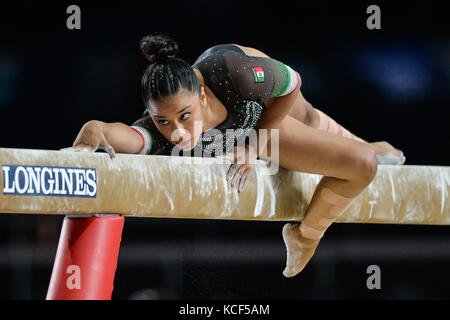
203,96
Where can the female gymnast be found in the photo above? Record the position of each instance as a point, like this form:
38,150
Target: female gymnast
236,87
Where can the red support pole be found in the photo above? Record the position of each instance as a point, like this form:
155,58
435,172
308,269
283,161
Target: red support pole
86,258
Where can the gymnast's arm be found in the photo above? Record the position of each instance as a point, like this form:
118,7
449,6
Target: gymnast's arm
111,137
276,108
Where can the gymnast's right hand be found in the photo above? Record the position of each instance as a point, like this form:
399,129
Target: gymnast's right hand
92,138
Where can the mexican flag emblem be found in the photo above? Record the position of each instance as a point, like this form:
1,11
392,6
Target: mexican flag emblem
258,72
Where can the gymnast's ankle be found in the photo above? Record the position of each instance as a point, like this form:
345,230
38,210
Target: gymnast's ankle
305,240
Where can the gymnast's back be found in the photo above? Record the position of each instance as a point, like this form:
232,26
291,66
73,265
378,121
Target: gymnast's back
252,78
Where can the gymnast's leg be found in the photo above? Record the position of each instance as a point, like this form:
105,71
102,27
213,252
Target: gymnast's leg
303,111
386,153
347,166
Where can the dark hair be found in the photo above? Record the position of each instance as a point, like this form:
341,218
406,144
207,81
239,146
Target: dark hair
166,74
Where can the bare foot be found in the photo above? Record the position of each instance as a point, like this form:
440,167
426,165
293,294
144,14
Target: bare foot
299,249
387,154
382,147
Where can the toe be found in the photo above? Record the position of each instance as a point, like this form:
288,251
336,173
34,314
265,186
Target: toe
288,273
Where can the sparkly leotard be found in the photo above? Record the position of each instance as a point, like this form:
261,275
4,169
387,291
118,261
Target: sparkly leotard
241,83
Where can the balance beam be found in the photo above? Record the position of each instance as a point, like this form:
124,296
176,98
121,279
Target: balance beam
77,183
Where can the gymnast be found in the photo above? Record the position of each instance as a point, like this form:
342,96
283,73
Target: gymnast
236,87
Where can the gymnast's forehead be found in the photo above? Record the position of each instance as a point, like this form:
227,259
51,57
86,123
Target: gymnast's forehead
173,104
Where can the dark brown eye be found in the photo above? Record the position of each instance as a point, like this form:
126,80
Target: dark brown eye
184,114
163,122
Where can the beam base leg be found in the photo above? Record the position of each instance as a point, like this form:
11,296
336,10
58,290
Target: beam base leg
86,258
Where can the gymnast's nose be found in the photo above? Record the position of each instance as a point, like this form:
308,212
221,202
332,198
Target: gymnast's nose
179,134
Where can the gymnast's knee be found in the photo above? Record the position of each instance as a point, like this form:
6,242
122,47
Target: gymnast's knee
368,166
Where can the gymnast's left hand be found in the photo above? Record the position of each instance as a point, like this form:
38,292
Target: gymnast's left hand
244,160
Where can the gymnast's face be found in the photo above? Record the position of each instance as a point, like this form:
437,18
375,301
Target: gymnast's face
180,117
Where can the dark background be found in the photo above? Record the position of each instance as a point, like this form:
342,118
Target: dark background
390,84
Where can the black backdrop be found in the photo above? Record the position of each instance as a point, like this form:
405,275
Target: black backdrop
390,84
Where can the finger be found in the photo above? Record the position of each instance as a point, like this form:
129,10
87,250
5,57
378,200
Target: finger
242,180
231,171
236,176
109,150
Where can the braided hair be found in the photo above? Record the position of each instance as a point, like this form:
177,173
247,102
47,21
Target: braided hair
167,74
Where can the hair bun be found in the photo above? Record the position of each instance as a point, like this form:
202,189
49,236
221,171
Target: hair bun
159,48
